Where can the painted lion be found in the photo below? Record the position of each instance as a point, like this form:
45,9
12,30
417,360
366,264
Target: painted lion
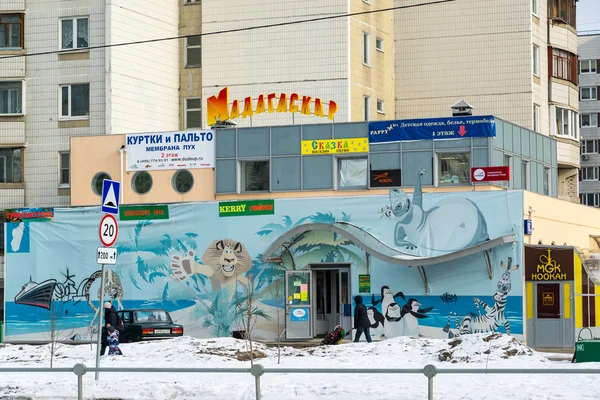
223,262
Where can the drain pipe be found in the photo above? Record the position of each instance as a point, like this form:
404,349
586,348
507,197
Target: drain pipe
121,151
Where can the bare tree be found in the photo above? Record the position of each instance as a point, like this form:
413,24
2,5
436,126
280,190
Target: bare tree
59,330
277,292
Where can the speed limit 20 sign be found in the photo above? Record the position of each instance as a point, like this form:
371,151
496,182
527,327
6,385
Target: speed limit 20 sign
109,230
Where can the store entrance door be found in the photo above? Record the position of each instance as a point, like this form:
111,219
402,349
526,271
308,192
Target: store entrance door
332,303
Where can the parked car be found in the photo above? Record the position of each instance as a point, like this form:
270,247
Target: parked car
145,324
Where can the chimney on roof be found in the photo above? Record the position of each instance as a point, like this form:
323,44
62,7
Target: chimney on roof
461,108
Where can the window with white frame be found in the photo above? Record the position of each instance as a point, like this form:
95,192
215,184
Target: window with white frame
75,101
380,107
366,49
64,169
74,33
454,168
379,44
566,122
367,108
589,173
589,147
255,176
588,66
536,117
589,120
352,173
534,7
11,31
590,199
588,93
193,51
536,60
193,113
11,97
11,165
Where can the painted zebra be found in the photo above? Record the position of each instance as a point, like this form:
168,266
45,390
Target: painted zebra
494,315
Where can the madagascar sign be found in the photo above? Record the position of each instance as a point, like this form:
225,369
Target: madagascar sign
335,146
140,213
244,208
217,107
548,264
29,214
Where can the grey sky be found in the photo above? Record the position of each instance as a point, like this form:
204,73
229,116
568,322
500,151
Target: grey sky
588,15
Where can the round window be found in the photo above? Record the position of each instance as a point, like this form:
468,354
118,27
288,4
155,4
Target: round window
97,182
141,183
183,181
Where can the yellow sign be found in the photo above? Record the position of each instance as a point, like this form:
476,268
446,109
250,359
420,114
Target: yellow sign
335,146
304,296
548,269
296,296
548,298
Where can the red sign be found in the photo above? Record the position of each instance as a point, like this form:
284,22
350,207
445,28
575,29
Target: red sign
490,174
109,230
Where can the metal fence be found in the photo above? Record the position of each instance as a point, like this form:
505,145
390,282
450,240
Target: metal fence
257,370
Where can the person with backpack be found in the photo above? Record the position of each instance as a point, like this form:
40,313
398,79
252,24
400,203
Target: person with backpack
361,320
111,319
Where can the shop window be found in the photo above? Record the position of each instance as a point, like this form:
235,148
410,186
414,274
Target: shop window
75,101
589,173
454,168
11,97
352,173
590,199
141,183
74,33
64,169
183,181
193,51
12,31
11,165
588,93
98,181
193,113
255,176
589,147
588,66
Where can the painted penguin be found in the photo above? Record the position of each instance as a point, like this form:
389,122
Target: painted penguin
387,298
410,314
393,321
377,321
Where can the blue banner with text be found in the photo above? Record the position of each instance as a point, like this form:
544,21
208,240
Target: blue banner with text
432,128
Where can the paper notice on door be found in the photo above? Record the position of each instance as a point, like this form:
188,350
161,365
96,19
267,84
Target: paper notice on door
296,296
304,296
304,287
297,283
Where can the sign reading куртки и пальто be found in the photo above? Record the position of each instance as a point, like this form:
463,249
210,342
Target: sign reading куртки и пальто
432,128
170,150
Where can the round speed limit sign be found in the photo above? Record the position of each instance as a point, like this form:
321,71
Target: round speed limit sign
109,230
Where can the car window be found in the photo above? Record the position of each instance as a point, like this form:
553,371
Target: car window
152,316
126,317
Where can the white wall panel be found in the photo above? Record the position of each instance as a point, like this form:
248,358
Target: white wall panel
12,132
10,198
12,5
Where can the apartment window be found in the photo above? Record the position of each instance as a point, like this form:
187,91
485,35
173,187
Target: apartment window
193,113
141,183
546,181
64,169
563,11
367,108
193,51
590,199
11,97
193,1
566,122
352,173
12,31
366,49
255,176
534,7
588,66
564,65
379,44
589,120
380,107
536,118
588,93
75,101
536,60
589,173
525,175
74,33
589,147
11,165
454,168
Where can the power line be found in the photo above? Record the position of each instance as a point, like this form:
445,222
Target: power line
251,28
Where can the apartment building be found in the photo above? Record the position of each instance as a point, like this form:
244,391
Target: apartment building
589,81
514,59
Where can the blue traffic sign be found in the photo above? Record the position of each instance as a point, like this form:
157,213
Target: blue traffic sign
110,196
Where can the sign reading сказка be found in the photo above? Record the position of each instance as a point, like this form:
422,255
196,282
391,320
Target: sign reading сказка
335,146
170,150
29,214
248,207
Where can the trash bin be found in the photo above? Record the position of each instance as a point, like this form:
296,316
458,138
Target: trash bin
587,351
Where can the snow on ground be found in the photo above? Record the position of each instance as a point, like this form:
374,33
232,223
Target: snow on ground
475,351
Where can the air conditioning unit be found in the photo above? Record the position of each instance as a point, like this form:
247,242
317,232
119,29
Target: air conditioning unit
585,157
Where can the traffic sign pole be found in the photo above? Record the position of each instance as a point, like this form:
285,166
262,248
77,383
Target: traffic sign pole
100,309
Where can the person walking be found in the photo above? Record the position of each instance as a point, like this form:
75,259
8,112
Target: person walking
361,320
110,319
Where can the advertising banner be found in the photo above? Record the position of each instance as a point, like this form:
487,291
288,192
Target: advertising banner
490,174
386,178
335,146
432,128
170,150
246,207
29,214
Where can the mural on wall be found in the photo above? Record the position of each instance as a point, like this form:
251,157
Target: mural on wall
203,269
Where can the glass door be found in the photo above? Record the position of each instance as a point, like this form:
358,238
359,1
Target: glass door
298,316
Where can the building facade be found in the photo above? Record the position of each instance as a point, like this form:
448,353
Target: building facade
589,79
513,59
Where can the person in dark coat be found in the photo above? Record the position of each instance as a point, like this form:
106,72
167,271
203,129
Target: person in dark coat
361,320
110,319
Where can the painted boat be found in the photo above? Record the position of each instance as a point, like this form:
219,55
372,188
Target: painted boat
37,294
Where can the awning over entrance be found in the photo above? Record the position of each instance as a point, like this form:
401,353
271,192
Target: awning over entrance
373,246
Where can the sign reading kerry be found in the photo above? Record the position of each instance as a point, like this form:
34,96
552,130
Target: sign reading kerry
139,213
248,207
549,264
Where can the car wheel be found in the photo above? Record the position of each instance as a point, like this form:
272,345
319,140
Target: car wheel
128,339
